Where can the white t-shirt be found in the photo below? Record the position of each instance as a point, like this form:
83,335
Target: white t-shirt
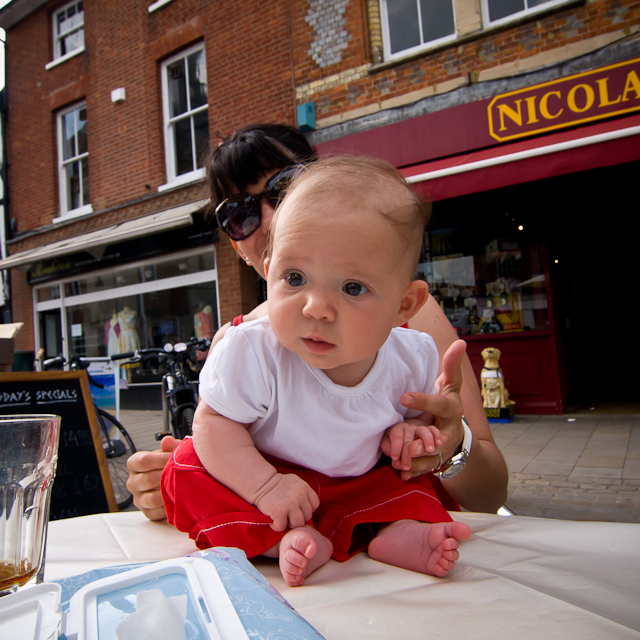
298,414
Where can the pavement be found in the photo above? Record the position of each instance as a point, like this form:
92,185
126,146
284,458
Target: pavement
582,466
578,466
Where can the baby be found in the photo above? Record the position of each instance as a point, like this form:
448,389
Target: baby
294,407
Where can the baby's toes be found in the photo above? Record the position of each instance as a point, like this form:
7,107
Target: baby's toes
292,566
293,580
296,561
452,556
449,544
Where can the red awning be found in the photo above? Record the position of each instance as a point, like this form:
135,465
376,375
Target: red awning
599,145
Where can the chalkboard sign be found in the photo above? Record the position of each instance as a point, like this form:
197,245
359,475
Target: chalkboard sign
82,485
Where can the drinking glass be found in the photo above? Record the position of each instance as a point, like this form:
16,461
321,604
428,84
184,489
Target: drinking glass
28,456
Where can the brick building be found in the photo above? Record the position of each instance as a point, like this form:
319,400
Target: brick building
519,118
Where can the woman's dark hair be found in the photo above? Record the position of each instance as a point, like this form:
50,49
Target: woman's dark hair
252,152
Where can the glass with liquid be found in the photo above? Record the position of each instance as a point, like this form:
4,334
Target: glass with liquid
28,456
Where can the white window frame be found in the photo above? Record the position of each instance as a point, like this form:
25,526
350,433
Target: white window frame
486,21
158,5
57,36
173,179
386,36
65,212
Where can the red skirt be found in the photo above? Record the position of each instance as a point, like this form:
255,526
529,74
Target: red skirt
350,508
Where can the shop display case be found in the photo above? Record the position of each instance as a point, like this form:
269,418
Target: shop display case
141,305
498,291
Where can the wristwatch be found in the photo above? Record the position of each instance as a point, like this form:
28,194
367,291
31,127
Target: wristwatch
456,463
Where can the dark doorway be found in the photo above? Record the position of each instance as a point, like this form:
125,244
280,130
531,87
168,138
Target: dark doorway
587,225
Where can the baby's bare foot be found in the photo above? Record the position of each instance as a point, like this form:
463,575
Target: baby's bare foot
423,547
301,552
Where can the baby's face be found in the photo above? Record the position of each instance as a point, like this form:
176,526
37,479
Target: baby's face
336,280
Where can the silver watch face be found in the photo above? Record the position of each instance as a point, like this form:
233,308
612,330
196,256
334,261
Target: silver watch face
455,466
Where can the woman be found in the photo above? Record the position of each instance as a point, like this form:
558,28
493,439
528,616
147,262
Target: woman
246,176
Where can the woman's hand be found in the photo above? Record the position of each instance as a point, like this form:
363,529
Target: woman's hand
397,440
145,469
482,486
446,408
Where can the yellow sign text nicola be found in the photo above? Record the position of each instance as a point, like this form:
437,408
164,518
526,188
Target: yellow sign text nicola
585,97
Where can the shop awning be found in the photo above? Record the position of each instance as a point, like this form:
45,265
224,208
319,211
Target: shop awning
96,241
599,145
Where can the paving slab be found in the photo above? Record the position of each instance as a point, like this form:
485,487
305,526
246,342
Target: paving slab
631,469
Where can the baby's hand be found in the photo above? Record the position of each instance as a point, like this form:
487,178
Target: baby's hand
288,500
398,440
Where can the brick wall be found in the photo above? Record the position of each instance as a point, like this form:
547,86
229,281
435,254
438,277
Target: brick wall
249,79
354,86
31,152
262,59
250,48
236,294
22,309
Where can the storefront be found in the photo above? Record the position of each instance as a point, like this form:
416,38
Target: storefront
529,248
141,290
139,305
487,267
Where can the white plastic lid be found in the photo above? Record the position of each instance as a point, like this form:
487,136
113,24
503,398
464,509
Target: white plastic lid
101,607
32,613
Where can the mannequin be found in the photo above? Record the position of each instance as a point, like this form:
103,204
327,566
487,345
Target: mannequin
129,340
112,334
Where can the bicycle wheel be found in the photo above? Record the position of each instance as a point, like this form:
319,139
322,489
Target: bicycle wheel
118,447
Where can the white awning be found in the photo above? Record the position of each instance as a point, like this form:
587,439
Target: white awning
95,242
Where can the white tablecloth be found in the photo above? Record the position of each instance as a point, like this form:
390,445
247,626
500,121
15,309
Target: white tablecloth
517,578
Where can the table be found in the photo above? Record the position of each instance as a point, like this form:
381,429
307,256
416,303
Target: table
517,577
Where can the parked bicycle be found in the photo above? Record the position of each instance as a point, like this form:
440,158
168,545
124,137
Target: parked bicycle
179,392
116,441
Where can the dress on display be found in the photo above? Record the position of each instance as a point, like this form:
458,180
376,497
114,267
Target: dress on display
129,340
112,335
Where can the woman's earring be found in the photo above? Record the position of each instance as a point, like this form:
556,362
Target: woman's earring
240,254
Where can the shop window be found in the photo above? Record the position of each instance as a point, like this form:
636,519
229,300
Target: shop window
73,154
499,288
186,115
497,11
146,305
150,320
50,333
68,30
183,266
409,26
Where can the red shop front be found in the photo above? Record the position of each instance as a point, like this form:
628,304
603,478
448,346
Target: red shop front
528,249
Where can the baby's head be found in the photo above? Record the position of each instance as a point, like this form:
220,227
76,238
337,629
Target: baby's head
343,249
366,186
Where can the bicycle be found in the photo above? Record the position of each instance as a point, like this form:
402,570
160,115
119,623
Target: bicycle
116,441
179,393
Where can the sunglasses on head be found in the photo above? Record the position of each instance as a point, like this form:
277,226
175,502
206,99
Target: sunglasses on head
241,215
